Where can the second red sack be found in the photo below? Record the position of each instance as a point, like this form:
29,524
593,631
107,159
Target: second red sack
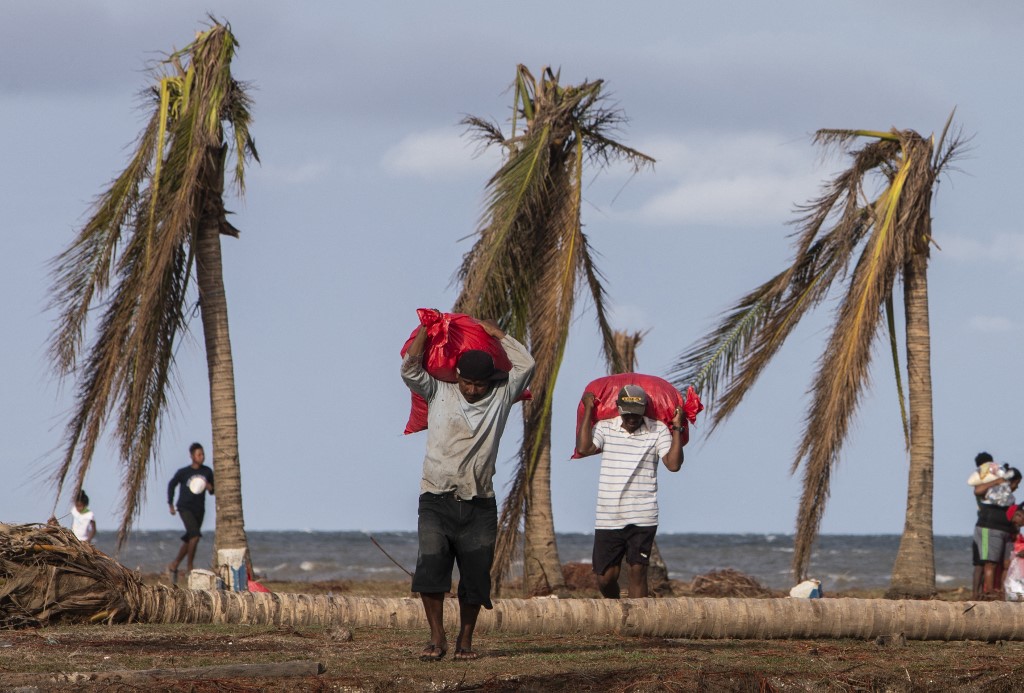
662,400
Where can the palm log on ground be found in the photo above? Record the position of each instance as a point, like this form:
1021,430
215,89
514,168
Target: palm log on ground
50,577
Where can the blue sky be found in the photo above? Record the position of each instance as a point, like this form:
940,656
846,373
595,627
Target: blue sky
359,213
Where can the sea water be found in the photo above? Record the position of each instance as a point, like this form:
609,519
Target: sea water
841,562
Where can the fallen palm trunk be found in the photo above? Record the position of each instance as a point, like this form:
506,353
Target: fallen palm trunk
50,577
677,617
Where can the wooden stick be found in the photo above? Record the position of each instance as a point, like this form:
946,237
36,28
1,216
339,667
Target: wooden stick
389,555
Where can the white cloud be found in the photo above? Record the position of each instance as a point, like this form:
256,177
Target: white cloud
991,323
436,153
1001,248
731,179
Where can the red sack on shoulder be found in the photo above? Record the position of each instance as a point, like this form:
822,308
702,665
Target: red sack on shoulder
448,336
662,400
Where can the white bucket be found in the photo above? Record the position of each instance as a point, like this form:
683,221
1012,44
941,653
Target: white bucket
200,579
231,565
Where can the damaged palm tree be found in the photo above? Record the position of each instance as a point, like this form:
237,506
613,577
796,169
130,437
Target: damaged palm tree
47,577
886,235
529,262
160,221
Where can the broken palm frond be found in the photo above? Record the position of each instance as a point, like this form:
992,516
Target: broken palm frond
49,576
727,583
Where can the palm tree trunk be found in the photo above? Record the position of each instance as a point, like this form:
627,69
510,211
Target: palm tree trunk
675,617
657,573
230,524
542,568
913,574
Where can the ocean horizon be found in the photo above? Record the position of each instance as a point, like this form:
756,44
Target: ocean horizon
840,561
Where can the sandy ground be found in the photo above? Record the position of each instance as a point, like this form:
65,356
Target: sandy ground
124,657
141,657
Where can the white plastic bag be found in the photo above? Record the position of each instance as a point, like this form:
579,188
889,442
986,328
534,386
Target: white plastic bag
808,589
1013,583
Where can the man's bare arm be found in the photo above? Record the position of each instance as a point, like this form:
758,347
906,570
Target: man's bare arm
673,459
585,436
419,343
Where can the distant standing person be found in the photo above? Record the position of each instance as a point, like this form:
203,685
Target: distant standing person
192,482
83,521
994,531
627,496
982,462
458,515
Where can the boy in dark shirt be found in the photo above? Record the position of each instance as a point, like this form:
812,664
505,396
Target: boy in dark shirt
193,482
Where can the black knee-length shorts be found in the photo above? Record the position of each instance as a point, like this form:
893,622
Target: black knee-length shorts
455,531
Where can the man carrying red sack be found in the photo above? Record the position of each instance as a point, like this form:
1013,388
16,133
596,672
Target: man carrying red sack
458,514
627,498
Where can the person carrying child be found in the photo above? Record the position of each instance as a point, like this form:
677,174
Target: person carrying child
994,532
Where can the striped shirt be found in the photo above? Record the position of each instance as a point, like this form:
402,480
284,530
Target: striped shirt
627,491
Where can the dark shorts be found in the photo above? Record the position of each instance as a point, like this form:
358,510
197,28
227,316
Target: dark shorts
633,542
453,531
193,520
993,545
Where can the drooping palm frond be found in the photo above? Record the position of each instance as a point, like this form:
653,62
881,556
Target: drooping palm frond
883,230
894,348
135,257
85,268
735,354
531,257
595,282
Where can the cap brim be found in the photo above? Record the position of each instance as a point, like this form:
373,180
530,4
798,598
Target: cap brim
632,410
